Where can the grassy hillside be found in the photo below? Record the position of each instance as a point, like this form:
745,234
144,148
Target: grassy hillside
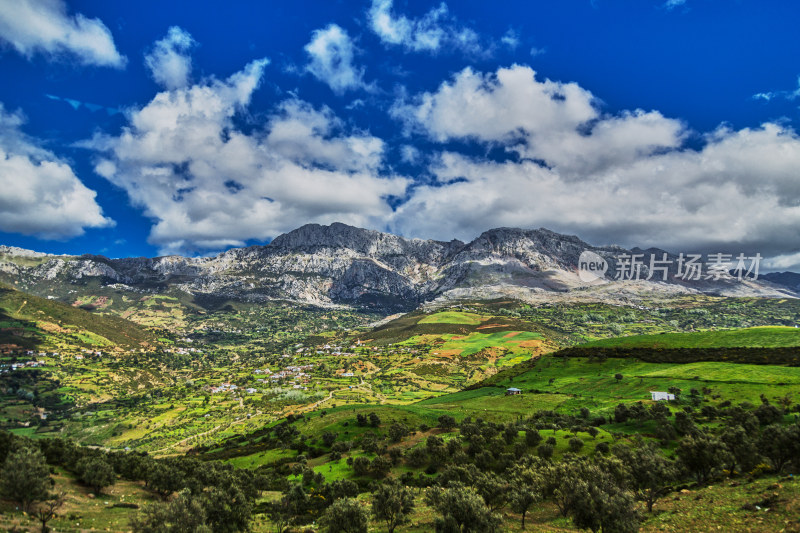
567,384
758,337
729,365
29,320
475,317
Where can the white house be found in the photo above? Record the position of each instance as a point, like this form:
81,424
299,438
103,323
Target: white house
659,396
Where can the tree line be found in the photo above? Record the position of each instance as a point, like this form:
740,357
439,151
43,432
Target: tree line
468,471
469,476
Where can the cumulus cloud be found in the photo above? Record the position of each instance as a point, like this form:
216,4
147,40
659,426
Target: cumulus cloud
627,178
44,26
331,53
169,61
553,121
432,32
207,184
42,196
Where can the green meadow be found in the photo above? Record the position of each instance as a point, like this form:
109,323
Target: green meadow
764,336
571,383
452,317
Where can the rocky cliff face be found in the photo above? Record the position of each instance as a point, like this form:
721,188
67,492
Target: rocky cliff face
340,264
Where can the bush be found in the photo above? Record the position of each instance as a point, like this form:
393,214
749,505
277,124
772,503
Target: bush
447,422
361,466
545,451
96,472
25,477
345,515
397,431
532,437
461,509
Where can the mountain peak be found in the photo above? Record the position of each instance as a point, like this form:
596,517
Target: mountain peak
364,241
336,235
541,234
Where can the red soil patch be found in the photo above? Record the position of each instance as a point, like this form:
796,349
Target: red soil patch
512,334
447,353
530,344
487,326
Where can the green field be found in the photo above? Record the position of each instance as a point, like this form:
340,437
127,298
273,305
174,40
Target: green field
465,345
261,458
761,337
452,317
571,383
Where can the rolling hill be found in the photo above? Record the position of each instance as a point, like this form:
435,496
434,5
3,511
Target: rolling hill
30,321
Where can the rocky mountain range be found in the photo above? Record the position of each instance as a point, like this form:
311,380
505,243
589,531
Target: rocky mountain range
345,265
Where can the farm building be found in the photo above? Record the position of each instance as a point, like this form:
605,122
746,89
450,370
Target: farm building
513,390
660,396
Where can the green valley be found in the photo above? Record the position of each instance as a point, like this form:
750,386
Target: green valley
293,401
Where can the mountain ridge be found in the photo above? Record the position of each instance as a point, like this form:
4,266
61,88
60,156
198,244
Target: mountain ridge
340,264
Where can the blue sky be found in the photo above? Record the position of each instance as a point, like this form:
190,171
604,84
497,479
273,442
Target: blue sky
144,128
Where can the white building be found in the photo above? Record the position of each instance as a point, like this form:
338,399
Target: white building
659,396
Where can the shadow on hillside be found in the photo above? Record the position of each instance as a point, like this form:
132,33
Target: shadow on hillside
548,280
21,333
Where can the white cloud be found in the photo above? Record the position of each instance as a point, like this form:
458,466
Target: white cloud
627,178
510,39
207,184
331,53
42,196
169,60
410,154
44,26
772,95
782,262
672,4
432,32
557,122
306,136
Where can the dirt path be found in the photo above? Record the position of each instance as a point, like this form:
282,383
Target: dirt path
370,389
317,404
